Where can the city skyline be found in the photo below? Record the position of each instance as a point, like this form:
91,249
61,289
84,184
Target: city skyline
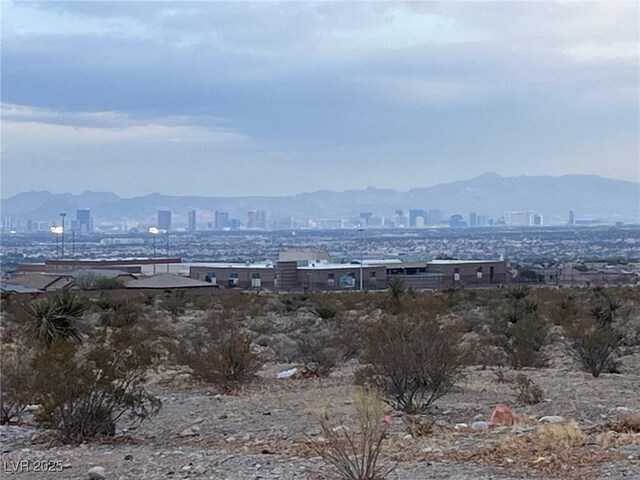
265,98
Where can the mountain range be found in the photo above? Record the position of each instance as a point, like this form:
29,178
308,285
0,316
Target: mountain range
490,194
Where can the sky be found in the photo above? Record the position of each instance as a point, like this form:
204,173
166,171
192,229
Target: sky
277,98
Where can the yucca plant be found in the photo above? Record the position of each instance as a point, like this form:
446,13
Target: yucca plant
55,318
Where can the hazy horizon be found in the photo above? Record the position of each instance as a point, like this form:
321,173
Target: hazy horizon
273,99
144,194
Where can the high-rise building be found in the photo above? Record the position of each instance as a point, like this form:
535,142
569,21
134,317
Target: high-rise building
192,221
435,217
455,221
364,218
413,216
256,219
523,219
538,220
221,220
473,219
572,218
164,220
83,220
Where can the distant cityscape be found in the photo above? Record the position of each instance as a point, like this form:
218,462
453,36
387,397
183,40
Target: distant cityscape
204,220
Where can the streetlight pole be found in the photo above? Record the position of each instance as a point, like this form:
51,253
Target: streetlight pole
62,215
167,251
154,231
361,230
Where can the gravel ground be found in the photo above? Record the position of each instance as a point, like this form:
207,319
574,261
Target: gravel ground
262,432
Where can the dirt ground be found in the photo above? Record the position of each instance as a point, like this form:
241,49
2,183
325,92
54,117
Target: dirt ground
263,432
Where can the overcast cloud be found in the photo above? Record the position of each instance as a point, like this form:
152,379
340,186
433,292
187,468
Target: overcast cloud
239,98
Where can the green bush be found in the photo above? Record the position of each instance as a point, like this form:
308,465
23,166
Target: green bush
56,318
520,331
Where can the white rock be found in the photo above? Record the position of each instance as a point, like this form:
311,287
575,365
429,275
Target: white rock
480,425
551,419
461,426
340,429
190,432
97,473
288,373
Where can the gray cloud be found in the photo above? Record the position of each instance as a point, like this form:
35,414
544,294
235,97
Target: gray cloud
314,93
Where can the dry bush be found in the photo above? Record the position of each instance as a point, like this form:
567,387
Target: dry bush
412,361
554,451
325,311
17,382
318,350
219,353
595,348
354,453
419,425
175,302
625,424
120,313
83,394
527,391
595,341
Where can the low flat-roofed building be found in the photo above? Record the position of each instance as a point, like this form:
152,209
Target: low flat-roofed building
236,275
469,273
323,275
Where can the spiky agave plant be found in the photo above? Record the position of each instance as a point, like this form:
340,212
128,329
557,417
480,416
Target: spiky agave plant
55,318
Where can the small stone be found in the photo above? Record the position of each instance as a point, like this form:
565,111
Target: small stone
128,457
480,425
551,419
502,415
186,468
190,432
97,473
408,436
177,452
200,470
461,426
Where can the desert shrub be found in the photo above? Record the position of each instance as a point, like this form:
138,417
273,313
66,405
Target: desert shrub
419,425
318,349
84,394
595,341
106,283
412,361
293,302
396,291
220,353
175,302
17,383
520,331
527,391
355,453
56,317
94,281
325,311
595,348
122,313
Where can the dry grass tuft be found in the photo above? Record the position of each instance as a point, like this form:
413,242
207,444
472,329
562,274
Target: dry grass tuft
626,424
354,451
555,451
